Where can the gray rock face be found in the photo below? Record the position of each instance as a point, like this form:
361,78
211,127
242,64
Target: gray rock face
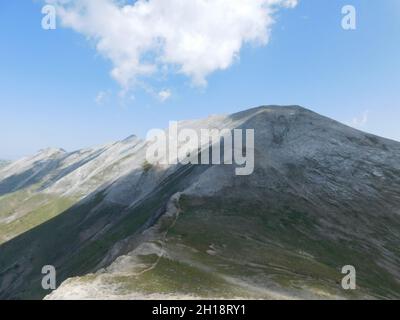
322,196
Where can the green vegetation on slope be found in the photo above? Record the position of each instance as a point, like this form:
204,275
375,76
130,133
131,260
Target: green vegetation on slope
237,248
83,236
264,244
23,210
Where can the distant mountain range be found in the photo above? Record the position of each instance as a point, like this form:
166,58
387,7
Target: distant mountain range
322,196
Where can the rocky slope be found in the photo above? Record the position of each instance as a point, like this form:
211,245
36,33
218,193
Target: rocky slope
322,196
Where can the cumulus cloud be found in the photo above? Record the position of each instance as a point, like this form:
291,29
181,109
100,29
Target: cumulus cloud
191,37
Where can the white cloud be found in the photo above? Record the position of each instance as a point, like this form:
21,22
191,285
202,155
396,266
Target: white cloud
191,37
361,121
164,95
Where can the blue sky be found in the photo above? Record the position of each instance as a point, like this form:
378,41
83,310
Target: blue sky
49,80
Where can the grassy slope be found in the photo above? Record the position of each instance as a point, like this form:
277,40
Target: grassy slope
23,210
229,249
281,246
76,241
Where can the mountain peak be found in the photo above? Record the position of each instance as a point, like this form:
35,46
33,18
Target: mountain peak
281,109
51,151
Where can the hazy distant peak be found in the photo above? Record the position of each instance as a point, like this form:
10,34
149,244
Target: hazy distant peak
51,151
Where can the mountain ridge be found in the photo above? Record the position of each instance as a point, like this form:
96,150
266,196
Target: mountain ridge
296,220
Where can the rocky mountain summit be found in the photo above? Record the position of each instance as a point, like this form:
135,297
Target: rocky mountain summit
322,196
